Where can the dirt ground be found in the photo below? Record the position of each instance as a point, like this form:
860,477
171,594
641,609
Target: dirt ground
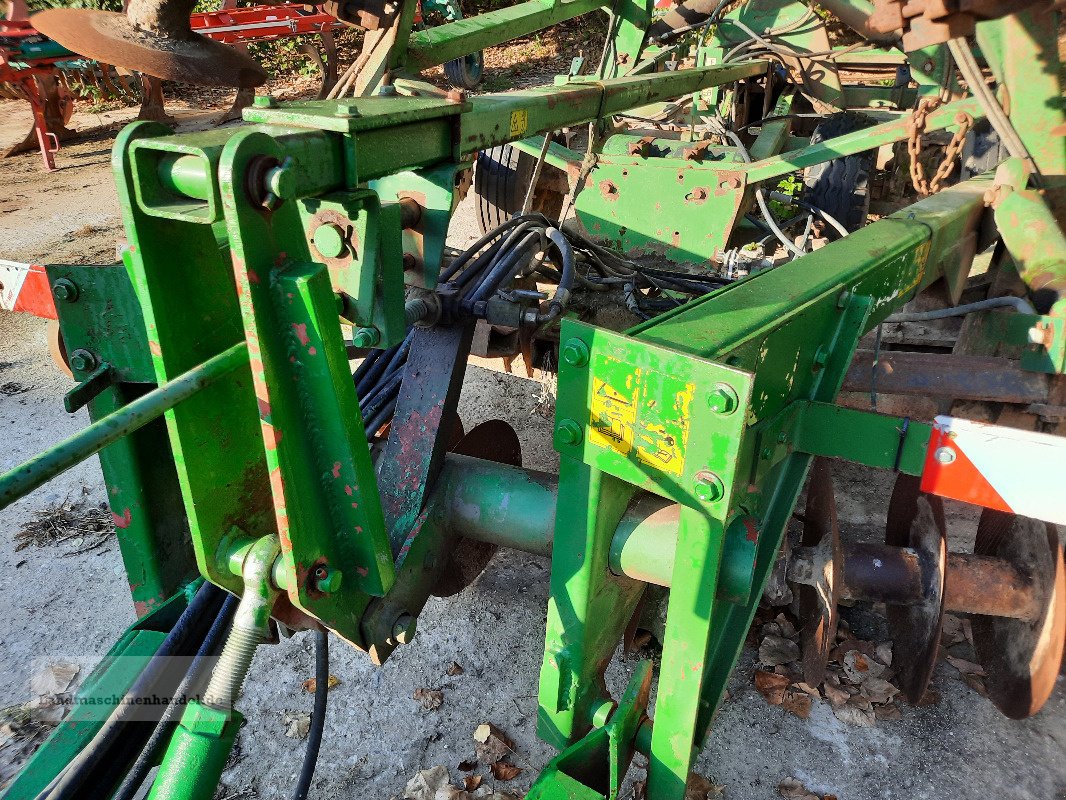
62,605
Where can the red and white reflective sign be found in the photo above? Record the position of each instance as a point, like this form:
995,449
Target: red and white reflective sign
24,287
997,467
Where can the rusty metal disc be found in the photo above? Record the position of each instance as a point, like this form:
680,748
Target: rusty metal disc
915,629
1022,657
497,441
818,602
57,348
170,51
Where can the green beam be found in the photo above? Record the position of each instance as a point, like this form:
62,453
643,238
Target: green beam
864,437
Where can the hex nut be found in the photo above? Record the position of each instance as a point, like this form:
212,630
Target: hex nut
576,353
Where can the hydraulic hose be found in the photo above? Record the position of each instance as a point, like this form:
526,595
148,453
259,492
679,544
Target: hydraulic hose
148,756
188,633
1019,304
318,717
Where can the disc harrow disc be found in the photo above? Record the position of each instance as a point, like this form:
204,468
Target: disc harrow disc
916,629
497,441
175,55
1022,657
818,603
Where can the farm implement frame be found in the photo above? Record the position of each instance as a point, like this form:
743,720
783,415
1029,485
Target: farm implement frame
239,449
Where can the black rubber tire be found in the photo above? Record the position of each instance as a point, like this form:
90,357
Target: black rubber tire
981,151
465,72
841,187
501,176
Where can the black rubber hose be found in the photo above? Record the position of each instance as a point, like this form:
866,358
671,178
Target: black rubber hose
504,268
146,760
566,280
318,717
367,363
184,639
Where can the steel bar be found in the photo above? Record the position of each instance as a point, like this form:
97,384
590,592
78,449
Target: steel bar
41,468
881,573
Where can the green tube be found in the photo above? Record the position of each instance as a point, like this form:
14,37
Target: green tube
186,175
40,469
197,754
515,507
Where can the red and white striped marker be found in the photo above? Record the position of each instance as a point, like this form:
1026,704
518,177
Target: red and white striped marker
24,287
997,467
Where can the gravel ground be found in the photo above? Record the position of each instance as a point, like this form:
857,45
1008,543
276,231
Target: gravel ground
62,606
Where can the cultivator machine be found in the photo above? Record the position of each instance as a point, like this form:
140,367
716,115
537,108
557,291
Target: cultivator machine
243,456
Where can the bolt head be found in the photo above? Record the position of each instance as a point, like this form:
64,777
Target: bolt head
821,357
330,240
366,337
1036,334
945,455
329,581
65,290
709,487
843,298
82,360
723,400
576,353
568,432
263,101
346,108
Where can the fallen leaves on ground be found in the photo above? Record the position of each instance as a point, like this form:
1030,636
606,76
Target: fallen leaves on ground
471,782
491,744
699,788
297,725
502,771
454,669
434,784
77,522
429,698
311,684
793,789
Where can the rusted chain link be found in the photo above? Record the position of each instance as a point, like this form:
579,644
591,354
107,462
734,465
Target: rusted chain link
915,129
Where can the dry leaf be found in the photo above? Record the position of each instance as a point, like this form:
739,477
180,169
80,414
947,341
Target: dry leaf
884,653
297,725
54,678
850,715
454,669
771,686
930,698
429,698
858,667
952,632
426,784
776,650
471,782
966,667
858,701
788,630
797,703
699,788
793,789
311,684
491,744
502,771
835,695
808,689
467,766
887,712
878,690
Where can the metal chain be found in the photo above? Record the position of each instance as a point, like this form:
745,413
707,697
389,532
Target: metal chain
915,129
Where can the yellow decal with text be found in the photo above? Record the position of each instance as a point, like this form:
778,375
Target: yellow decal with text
519,122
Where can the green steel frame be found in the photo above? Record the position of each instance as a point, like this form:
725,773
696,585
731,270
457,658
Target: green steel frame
684,442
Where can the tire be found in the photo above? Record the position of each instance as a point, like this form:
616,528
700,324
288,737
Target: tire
981,151
841,187
465,72
501,176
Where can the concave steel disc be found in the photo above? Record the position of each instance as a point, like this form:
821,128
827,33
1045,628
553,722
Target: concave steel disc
1022,657
497,441
172,53
915,629
818,603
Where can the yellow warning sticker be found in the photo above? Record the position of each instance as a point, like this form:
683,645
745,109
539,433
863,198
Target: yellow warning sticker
641,414
519,122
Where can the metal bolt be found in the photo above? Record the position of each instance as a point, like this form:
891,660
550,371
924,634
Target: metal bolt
821,357
928,66
723,400
403,629
366,337
409,262
1037,334
82,360
568,432
330,240
843,298
346,108
327,580
767,453
65,290
782,437
945,455
263,101
576,353
281,181
709,487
